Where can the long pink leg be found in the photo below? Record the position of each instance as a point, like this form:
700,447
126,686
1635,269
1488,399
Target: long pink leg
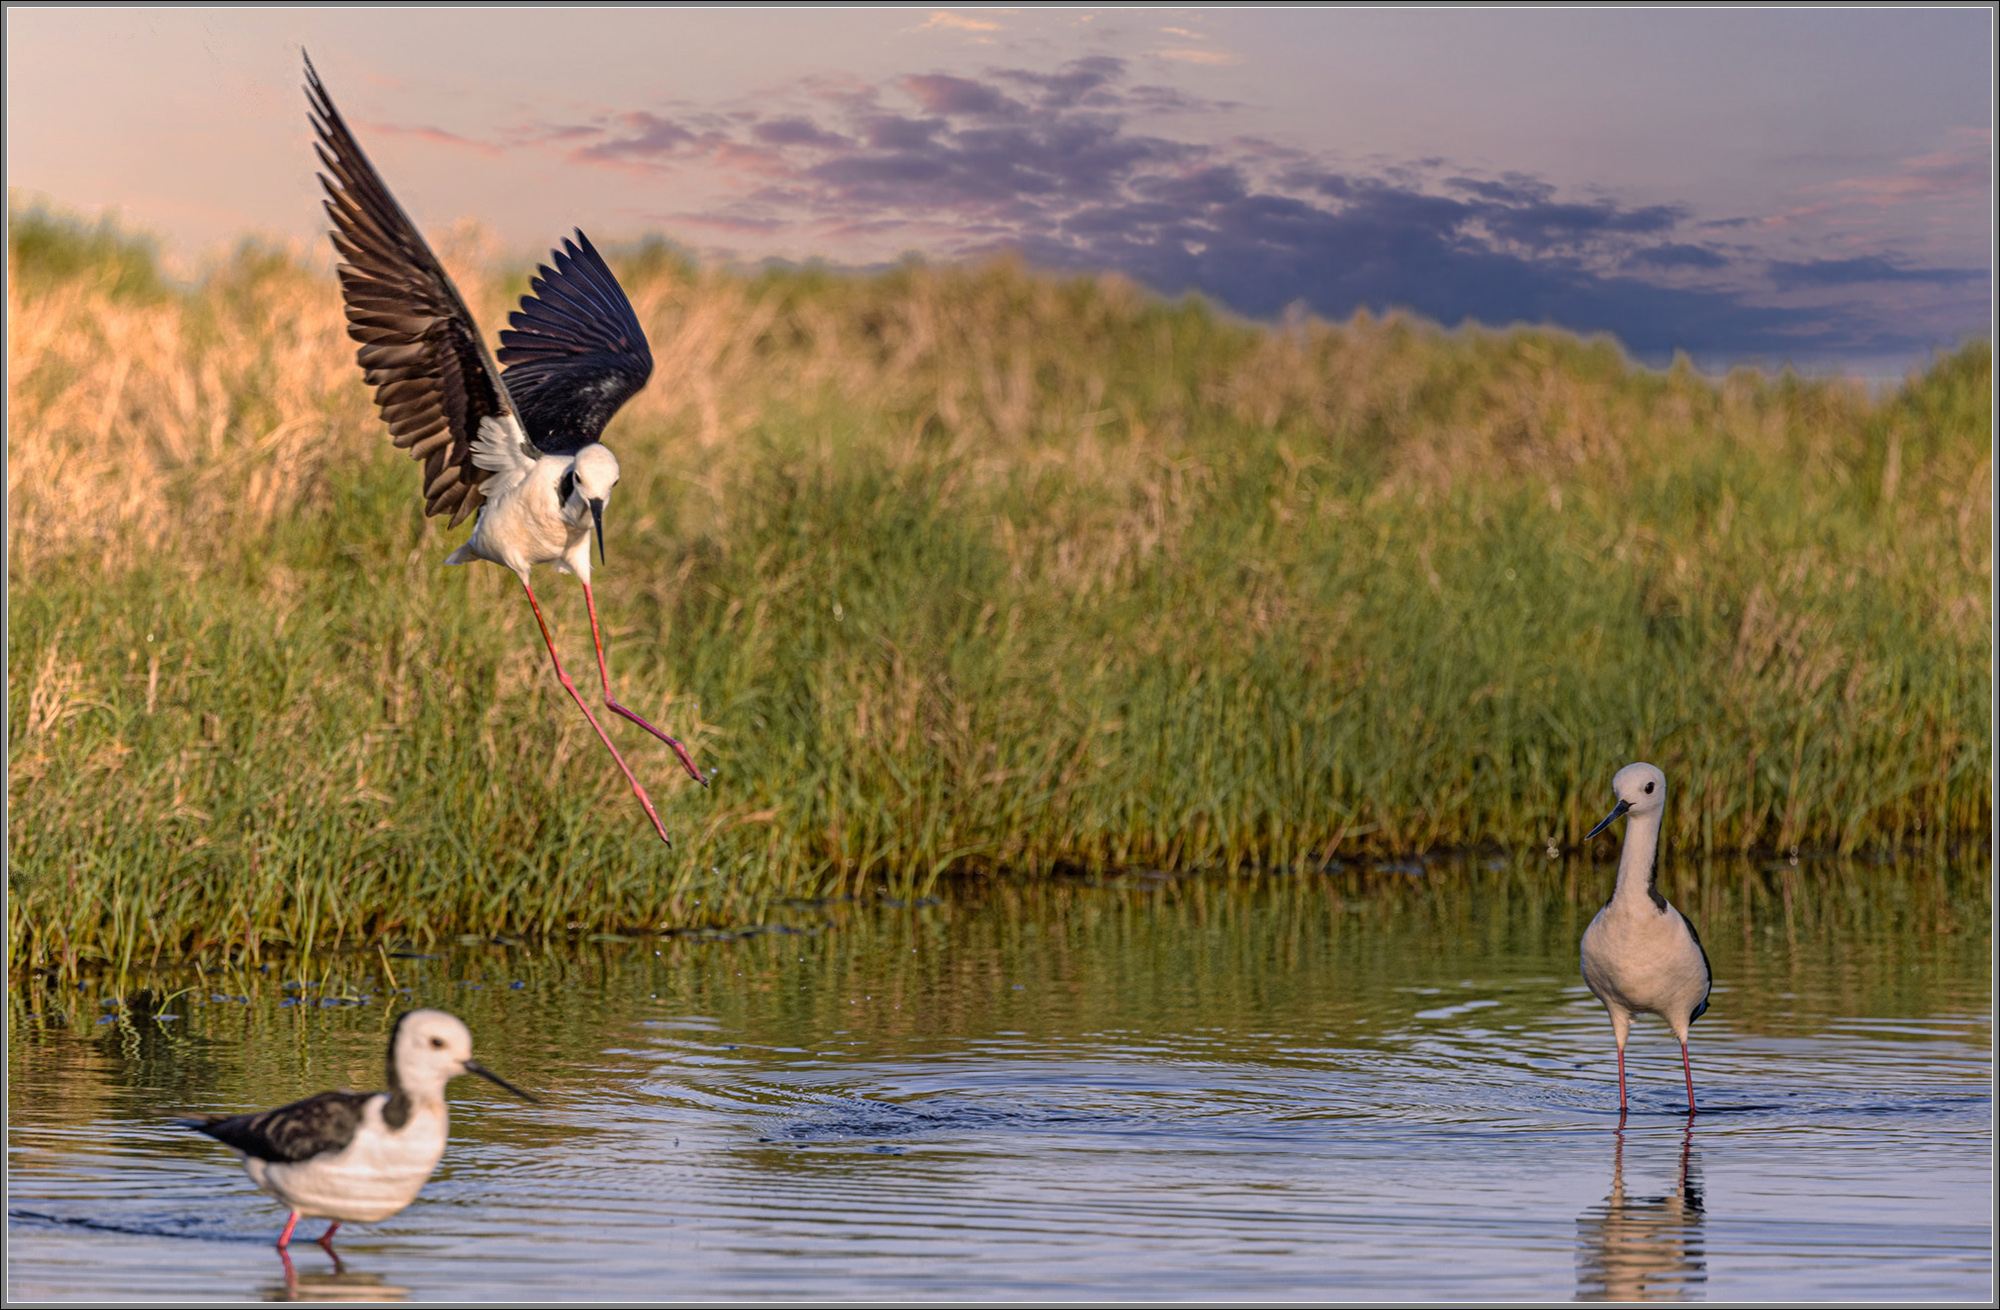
326,1238
285,1238
1621,1080
1688,1069
570,687
604,673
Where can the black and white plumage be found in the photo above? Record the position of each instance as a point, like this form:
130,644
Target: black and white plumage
1640,954
520,448
359,1157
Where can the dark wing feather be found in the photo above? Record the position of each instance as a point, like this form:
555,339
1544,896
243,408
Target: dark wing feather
420,348
1701,1009
574,350
294,1132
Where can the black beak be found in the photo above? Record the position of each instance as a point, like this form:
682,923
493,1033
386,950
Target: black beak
597,516
1617,813
492,1077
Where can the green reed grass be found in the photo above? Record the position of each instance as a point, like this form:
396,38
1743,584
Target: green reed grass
950,570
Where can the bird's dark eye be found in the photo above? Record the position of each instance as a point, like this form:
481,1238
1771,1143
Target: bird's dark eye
1649,789
438,1042
566,486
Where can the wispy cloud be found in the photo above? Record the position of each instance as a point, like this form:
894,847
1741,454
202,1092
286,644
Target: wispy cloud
437,136
1196,55
1932,201
638,136
1675,254
1868,268
1963,169
951,22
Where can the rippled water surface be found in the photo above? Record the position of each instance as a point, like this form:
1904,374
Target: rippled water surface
1325,1087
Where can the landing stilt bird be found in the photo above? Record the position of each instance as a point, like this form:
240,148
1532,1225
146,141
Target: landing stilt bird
518,447
359,1157
1640,954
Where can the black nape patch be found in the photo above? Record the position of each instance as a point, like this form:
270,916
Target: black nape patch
565,487
397,1112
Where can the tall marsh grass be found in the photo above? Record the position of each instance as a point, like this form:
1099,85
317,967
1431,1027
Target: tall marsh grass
946,569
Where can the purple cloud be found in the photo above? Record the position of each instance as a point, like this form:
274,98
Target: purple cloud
889,132
1080,83
1850,272
798,132
1541,222
961,95
643,136
1674,255
1051,164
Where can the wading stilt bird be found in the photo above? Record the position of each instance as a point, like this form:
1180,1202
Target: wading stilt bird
1640,954
358,1157
519,448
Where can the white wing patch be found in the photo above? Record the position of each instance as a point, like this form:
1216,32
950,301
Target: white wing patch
502,449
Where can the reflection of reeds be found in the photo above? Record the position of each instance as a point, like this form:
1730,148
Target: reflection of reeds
952,568
1800,949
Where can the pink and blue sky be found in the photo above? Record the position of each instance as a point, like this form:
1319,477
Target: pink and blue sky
1805,185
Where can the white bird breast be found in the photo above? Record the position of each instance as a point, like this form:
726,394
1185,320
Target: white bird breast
379,1173
1645,961
522,523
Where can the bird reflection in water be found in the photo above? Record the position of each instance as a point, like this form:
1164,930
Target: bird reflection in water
1643,1248
341,1284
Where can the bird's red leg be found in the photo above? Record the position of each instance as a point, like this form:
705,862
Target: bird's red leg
570,687
326,1238
1621,1080
1688,1069
604,672
285,1238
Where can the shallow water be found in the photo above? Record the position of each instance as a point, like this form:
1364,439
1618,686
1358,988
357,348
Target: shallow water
1350,1086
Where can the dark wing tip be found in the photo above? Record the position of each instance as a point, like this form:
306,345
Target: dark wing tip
401,303
575,351
316,95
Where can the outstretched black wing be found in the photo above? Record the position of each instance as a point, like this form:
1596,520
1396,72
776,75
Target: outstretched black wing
420,349
574,352
294,1132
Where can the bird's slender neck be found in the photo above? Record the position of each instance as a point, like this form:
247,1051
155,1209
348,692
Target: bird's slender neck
406,1095
397,1112
1638,861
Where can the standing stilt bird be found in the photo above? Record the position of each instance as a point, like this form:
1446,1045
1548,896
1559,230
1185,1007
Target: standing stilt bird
520,448
359,1157
1640,954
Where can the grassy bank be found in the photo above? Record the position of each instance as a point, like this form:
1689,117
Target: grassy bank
946,569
